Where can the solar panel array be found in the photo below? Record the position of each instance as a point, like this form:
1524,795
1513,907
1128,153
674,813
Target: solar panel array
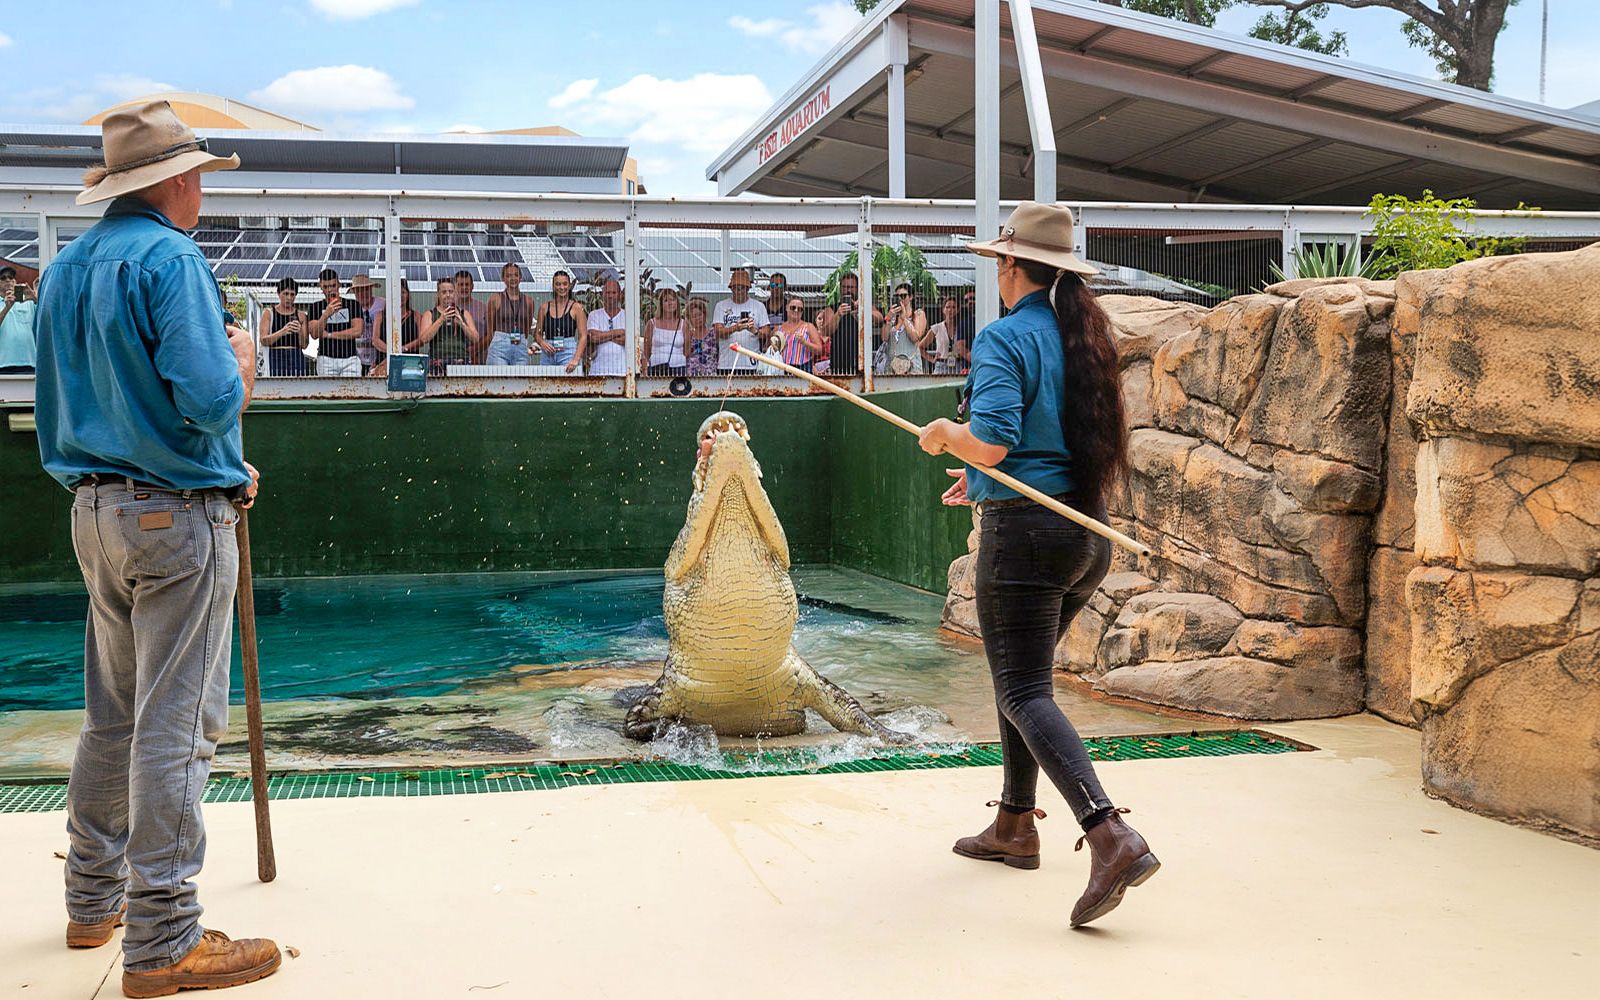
260,257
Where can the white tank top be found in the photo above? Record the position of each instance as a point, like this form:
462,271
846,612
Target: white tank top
666,345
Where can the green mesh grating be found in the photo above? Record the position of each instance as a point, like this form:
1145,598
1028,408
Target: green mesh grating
48,796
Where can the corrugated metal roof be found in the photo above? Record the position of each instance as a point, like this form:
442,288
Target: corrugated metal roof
1157,80
364,153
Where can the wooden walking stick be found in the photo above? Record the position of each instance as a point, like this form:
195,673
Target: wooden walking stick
1043,499
266,859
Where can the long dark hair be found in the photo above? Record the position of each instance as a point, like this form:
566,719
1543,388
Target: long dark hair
1091,403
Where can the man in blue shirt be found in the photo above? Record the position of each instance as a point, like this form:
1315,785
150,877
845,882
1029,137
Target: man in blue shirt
16,325
140,387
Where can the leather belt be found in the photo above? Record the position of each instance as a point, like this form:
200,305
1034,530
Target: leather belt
112,479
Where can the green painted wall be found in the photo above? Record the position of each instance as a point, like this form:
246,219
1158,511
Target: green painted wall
446,486
887,519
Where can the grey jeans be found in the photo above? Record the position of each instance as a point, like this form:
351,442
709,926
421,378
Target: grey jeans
161,568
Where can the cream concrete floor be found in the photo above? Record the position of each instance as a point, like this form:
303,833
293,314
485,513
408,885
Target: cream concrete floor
1325,874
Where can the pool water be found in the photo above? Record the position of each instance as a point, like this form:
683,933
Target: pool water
376,670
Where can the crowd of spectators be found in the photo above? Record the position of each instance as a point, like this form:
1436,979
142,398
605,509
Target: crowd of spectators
682,336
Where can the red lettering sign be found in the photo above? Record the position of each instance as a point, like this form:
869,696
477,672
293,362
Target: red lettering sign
805,116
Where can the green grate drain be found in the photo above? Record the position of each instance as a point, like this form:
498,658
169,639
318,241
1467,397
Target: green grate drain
48,796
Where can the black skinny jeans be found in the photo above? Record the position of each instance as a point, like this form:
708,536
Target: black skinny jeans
1035,571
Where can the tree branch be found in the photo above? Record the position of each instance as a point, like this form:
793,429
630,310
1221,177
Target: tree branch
1429,18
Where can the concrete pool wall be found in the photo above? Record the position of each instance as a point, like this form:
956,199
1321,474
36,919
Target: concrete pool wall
476,485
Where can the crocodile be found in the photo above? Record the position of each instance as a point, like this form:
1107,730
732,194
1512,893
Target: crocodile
730,610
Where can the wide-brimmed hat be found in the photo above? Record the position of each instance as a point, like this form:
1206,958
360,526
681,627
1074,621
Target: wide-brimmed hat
145,145
361,281
1037,232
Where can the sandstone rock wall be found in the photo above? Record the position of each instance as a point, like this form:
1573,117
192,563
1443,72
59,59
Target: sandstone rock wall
1505,599
1258,443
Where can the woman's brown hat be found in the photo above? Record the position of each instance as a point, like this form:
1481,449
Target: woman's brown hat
145,145
1037,232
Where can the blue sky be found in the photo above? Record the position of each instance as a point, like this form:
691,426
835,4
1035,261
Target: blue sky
679,80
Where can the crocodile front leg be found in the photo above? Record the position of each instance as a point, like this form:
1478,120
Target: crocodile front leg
835,705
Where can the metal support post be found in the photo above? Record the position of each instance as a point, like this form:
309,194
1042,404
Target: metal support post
986,152
47,242
394,310
630,305
1291,247
864,305
725,265
897,50
1040,127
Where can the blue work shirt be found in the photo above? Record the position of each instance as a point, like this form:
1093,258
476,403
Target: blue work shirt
1014,394
134,373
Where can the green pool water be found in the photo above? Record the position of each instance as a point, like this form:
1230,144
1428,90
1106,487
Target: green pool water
396,670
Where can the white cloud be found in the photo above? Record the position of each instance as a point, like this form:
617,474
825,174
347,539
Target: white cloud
828,23
5,40
333,90
576,91
355,10
60,104
701,114
757,29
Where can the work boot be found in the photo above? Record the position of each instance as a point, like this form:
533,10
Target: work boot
96,934
213,964
1119,858
1011,839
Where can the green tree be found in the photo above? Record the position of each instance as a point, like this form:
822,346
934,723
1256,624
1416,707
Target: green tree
1414,234
1460,35
1298,28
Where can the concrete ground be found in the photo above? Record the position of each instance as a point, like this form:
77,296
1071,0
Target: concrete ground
1325,874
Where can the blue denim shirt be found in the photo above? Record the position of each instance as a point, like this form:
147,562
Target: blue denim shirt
1014,400
135,376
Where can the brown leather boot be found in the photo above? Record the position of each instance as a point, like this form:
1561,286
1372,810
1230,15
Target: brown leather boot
1011,839
1119,858
96,934
213,964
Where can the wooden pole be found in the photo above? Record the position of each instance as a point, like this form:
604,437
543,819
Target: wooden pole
1043,499
266,859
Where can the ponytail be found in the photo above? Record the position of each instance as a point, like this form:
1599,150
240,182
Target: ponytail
1092,418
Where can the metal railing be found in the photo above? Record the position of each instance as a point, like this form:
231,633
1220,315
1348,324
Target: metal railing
672,258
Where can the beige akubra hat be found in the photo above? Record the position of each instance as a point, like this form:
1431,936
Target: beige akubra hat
145,145
1037,232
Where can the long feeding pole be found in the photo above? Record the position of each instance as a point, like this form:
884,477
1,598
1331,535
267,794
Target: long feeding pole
266,858
1043,499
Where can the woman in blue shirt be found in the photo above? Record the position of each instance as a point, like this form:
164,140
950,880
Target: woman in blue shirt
1045,405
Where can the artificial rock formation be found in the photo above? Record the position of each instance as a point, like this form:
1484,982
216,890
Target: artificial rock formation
1257,449
1505,601
1370,493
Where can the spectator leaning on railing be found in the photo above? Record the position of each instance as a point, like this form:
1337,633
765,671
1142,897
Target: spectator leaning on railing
777,296
702,340
740,320
801,342
664,338
904,336
561,322
478,310
410,327
939,350
840,327
372,307
509,322
607,330
284,332
336,322
16,324
448,332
